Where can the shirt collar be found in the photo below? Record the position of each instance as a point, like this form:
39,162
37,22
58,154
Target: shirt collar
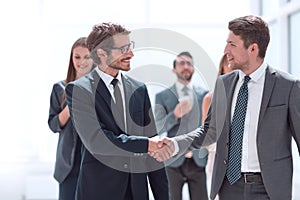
180,86
256,75
108,78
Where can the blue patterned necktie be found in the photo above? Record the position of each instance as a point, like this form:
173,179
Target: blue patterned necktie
233,171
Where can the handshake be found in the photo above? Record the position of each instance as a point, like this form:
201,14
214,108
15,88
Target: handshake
161,148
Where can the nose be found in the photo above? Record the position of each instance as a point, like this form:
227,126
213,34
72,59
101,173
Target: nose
83,61
226,50
130,53
186,65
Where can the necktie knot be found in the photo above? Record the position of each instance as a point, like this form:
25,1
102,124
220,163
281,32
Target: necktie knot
114,82
246,79
185,90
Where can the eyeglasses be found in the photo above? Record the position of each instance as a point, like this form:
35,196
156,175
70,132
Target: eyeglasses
182,63
124,49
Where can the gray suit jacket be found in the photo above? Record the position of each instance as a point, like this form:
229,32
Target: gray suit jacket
165,103
112,156
68,145
278,123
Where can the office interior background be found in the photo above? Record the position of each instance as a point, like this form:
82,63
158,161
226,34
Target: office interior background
37,36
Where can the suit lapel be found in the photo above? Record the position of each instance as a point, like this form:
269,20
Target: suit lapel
230,93
100,88
173,90
231,82
268,88
228,83
127,93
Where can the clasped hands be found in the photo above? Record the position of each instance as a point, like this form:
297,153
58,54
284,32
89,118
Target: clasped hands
161,148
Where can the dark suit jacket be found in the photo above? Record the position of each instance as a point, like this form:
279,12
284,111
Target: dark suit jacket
166,102
69,144
111,157
278,123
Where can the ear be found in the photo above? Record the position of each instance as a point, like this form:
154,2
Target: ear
101,53
253,48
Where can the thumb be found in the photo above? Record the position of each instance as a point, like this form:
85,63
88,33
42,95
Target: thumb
167,141
160,144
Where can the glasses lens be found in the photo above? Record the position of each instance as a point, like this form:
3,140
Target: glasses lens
132,44
182,63
126,48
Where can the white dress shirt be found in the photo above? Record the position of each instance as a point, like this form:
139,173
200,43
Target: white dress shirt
179,88
107,80
250,162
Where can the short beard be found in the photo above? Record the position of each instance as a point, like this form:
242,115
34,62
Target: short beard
179,76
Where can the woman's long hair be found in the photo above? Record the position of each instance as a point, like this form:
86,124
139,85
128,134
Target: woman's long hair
71,74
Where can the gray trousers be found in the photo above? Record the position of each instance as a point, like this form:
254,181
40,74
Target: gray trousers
253,190
191,174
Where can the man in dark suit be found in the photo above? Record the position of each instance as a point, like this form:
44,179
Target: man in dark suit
264,167
178,110
115,164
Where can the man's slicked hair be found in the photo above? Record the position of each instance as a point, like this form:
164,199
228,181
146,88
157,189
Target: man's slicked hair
102,37
252,29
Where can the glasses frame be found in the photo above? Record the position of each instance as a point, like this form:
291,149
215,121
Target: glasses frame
124,49
183,63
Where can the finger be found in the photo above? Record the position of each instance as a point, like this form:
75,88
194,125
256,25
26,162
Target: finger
160,144
151,154
167,141
164,153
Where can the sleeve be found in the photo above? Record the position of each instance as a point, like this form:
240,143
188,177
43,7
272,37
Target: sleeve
165,120
98,140
207,133
294,112
55,108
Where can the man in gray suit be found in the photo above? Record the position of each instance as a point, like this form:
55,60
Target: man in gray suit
178,110
272,118
113,117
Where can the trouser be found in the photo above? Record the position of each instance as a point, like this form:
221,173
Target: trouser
249,187
191,174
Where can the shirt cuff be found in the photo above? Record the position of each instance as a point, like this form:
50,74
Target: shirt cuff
176,148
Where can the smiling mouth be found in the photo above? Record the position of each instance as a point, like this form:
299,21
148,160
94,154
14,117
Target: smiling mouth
83,67
229,59
127,60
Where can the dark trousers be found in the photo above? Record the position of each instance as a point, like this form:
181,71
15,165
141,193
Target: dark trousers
67,188
188,172
253,189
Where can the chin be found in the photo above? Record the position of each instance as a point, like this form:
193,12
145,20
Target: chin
126,69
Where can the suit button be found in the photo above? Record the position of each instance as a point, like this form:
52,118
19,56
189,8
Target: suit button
225,162
125,166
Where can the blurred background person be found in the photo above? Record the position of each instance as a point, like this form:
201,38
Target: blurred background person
179,110
68,153
223,69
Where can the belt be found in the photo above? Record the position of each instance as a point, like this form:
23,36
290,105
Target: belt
252,177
